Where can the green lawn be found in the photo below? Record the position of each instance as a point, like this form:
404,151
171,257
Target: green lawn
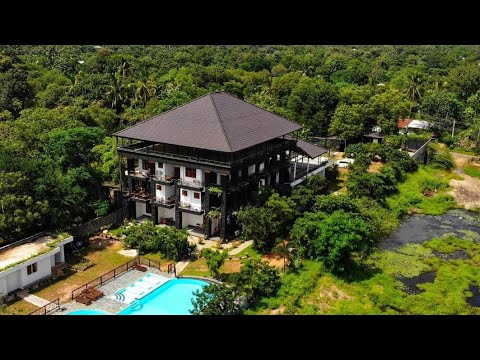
472,170
413,197
463,151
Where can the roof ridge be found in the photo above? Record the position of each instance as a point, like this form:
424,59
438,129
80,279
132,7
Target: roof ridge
162,113
221,122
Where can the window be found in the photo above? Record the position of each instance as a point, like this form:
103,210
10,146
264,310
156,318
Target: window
191,172
184,193
31,268
145,165
160,165
159,187
135,163
196,195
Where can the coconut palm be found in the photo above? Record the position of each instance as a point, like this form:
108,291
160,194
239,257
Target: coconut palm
413,88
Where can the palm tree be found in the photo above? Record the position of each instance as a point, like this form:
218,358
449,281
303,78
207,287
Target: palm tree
144,90
283,249
413,88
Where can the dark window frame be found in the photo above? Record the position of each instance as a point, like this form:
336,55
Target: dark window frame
184,193
159,187
145,163
32,268
196,195
189,171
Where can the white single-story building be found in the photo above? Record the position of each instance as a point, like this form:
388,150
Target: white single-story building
27,263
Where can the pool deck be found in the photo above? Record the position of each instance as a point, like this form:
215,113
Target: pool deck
106,303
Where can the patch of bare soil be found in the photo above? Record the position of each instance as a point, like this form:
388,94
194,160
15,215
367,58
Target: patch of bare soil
273,260
375,167
279,311
466,192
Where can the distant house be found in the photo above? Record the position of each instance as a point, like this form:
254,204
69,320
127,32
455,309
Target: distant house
27,262
374,135
413,126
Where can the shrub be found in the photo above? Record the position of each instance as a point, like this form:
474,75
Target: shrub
338,237
352,150
215,260
170,242
317,183
440,158
431,184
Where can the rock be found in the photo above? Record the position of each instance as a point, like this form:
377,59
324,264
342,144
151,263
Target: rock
105,231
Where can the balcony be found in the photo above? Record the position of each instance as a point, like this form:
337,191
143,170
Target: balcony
190,184
188,208
169,203
138,174
141,196
163,179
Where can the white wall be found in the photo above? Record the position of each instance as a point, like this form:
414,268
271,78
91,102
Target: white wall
3,287
199,174
141,209
167,170
191,219
195,203
166,213
14,280
251,169
43,269
261,167
277,178
165,192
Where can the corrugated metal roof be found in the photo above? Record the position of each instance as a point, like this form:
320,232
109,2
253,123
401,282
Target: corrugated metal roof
216,121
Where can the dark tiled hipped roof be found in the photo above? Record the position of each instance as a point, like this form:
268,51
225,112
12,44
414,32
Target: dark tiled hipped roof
217,121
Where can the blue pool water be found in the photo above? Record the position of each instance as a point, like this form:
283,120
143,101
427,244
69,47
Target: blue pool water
88,312
172,298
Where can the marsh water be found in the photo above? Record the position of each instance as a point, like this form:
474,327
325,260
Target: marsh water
418,229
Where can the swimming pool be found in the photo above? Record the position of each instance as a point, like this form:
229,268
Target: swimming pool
88,312
172,298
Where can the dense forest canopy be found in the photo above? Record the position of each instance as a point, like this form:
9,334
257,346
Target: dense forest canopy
59,106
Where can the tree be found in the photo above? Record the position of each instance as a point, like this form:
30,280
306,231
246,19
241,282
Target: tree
215,299
364,184
314,102
386,107
465,79
304,231
265,224
256,279
19,212
339,237
303,197
331,203
441,109
317,183
170,242
215,260
348,121
413,88
285,250
73,147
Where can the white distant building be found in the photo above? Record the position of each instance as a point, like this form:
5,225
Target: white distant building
412,125
26,263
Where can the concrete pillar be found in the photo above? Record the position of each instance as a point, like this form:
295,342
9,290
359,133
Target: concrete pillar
178,213
223,208
206,219
3,287
62,253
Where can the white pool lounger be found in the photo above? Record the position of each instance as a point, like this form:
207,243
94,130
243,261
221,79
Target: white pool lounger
139,288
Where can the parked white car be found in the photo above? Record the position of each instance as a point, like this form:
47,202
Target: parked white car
343,163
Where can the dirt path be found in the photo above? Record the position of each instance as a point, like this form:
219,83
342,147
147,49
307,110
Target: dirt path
467,191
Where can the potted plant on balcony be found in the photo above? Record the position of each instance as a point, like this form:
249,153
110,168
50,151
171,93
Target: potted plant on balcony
214,214
215,190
